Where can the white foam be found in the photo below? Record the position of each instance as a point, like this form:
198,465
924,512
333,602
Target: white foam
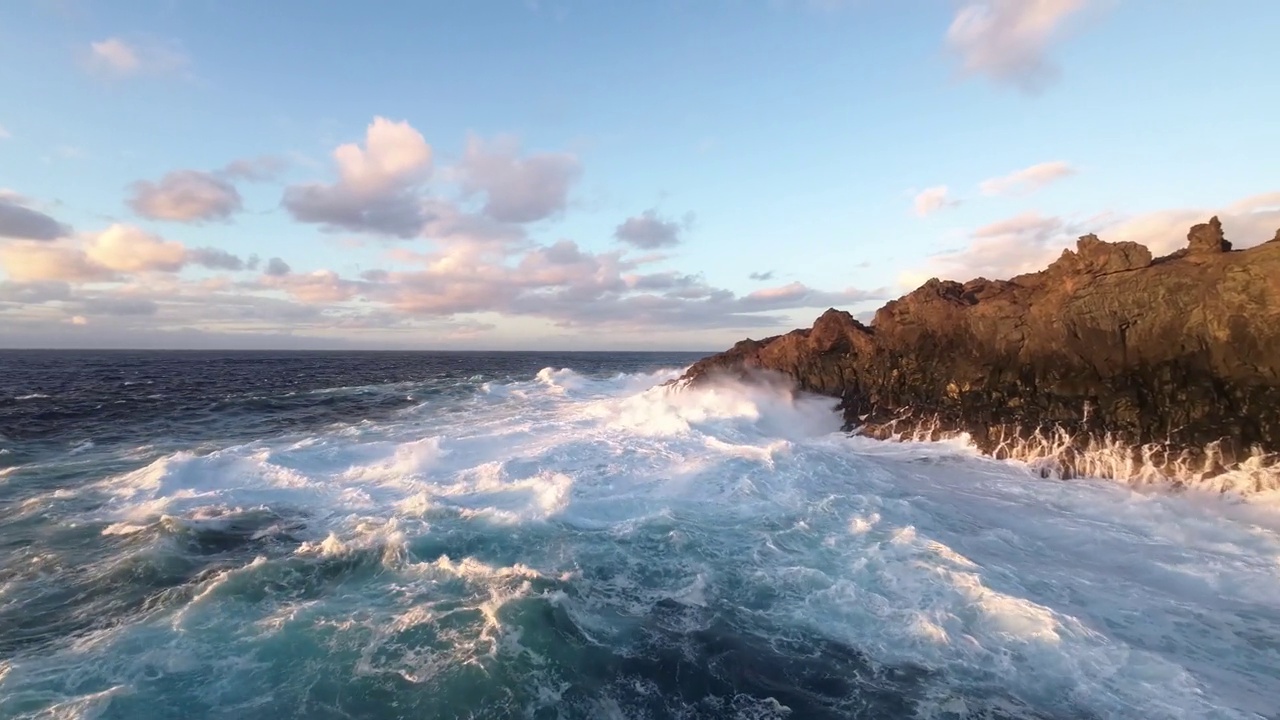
1087,592
85,707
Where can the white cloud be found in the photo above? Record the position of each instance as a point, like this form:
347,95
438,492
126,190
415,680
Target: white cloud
394,155
1027,180
1008,40
128,249
112,255
42,262
517,189
931,200
377,189
4,133
1247,222
115,57
185,196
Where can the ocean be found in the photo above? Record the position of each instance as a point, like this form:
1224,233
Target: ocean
560,535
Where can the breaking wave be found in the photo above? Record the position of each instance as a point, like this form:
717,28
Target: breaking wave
1060,454
570,546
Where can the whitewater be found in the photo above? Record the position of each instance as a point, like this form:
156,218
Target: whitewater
605,546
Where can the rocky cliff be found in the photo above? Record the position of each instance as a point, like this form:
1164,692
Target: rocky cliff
1108,362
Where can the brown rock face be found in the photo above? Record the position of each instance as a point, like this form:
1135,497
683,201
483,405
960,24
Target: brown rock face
1207,238
1104,347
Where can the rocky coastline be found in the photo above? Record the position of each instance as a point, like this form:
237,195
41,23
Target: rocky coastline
1109,362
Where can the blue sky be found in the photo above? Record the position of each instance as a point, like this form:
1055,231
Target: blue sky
585,175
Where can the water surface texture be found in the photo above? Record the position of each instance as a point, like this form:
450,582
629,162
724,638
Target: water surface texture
470,535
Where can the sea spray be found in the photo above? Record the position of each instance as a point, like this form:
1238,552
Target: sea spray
583,545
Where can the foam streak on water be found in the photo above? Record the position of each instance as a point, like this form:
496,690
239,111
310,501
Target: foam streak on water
576,547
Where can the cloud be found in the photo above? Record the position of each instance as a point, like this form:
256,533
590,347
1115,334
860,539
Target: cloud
19,221
41,262
1008,40
648,231
319,287
22,293
277,267
4,133
762,276
256,169
931,200
217,259
117,306
111,255
516,189
186,196
1030,242
377,184
128,249
1027,180
115,57
1247,222
570,287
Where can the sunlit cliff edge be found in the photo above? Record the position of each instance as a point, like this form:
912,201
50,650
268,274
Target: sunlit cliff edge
1107,363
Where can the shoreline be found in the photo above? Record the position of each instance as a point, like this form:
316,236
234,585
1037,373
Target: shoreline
1108,363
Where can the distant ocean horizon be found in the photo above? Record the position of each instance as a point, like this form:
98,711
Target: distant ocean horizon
444,534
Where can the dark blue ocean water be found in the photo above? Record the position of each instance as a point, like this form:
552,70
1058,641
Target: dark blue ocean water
559,535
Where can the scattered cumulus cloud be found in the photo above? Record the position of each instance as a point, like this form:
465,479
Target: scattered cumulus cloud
648,231
218,259
377,187
478,258
1027,180
761,276
129,249
32,262
931,200
1008,41
186,196
114,254
277,268
516,188
22,222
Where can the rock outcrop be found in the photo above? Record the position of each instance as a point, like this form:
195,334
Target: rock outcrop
1173,360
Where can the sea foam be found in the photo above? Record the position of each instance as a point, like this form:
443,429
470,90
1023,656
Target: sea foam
561,543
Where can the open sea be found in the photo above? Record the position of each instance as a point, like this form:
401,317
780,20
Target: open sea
557,535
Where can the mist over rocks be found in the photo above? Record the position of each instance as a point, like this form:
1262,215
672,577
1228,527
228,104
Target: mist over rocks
1108,362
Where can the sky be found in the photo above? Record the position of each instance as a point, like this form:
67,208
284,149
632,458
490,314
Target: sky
577,174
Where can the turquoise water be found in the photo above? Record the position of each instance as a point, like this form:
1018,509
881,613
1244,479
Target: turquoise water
580,543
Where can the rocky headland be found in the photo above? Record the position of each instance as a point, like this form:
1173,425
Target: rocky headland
1107,363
